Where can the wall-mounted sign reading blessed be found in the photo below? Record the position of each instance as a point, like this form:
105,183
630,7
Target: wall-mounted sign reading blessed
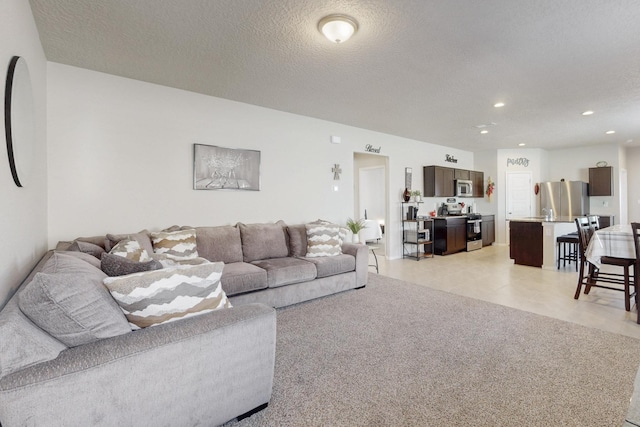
449,158
369,148
218,168
522,161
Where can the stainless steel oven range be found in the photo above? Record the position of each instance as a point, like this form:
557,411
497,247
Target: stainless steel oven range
474,232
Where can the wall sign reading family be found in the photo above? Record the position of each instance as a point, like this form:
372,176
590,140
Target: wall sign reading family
219,168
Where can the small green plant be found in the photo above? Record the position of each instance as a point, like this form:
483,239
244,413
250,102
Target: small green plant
415,193
355,226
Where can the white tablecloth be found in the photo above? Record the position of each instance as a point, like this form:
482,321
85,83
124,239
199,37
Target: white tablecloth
615,241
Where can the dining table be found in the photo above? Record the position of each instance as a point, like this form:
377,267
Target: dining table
615,241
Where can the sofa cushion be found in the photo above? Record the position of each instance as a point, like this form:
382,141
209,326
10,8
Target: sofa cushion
263,241
221,243
131,249
115,265
142,237
288,270
330,266
71,304
22,342
241,277
160,296
323,240
297,240
178,245
83,256
87,248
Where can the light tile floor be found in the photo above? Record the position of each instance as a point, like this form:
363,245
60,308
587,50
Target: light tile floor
488,274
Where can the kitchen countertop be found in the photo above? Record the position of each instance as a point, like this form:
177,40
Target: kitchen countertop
543,219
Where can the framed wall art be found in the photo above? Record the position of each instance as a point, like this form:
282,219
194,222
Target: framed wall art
219,168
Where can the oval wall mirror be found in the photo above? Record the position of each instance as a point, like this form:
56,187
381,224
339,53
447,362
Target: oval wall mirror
19,120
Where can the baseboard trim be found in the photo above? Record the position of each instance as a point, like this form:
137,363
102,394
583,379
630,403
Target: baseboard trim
253,411
360,287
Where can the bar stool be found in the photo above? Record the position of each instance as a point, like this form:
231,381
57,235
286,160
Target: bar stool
567,247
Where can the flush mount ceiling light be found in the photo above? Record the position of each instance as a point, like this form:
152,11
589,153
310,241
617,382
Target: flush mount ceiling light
610,132
587,113
498,104
338,28
483,131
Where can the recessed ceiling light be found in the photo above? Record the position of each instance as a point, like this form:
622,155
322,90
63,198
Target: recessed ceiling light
610,132
587,113
522,144
484,131
498,104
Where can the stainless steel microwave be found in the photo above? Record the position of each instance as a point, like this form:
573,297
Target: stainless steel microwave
464,188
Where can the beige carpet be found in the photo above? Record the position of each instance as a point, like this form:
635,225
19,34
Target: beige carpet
398,354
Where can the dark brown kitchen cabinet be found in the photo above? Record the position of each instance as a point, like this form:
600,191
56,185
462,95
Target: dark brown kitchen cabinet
438,181
461,174
525,242
488,229
478,183
450,235
601,181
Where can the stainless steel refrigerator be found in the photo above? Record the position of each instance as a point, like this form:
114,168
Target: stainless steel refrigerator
566,198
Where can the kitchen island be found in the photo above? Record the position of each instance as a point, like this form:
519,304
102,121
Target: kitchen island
532,240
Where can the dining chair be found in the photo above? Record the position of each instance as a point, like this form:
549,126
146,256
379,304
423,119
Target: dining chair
635,226
591,276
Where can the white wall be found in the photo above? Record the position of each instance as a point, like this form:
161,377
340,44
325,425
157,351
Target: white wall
633,183
23,210
121,159
573,165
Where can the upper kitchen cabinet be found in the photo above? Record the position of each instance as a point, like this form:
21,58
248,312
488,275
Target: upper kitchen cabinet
478,183
439,181
601,181
462,174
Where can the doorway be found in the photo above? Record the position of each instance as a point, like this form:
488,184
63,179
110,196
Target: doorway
370,192
519,197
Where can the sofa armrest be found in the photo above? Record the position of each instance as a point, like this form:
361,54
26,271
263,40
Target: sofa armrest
361,253
206,369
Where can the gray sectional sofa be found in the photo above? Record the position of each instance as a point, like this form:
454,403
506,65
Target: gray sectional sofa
202,370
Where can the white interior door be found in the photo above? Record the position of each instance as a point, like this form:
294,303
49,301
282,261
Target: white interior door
519,193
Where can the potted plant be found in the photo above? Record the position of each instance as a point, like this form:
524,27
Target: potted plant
417,195
355,227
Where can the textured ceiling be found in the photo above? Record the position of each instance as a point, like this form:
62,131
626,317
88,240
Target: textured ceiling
429,70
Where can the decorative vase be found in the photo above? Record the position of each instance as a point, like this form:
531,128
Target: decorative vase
418,199
355,238
406,195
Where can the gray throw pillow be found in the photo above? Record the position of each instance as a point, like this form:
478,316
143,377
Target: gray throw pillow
71,303
87,248
115,265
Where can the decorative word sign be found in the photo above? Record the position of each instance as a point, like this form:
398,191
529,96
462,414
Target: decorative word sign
449,158
369,148
522,161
